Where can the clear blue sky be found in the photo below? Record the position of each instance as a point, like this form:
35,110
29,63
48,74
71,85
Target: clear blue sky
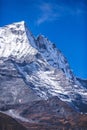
64,22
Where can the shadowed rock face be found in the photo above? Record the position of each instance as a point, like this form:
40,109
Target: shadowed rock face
83,82
8,123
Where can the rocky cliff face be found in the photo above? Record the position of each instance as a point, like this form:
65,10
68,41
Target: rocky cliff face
34,70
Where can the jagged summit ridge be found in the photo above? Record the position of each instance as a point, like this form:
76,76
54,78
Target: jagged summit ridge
17,41
14,41
53,55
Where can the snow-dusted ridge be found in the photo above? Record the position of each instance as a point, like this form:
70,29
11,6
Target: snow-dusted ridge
53,55
14,41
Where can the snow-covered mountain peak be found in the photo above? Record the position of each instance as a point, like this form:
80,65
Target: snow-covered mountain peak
15,42
39,70
14,26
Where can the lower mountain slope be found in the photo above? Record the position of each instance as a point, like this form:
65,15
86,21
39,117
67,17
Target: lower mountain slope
8,123
52,114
